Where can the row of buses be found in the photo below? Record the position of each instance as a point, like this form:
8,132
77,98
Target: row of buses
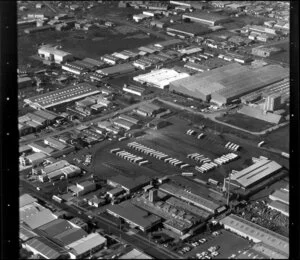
200,158
193,132
206,167
226,158
129,156
158,155
232,146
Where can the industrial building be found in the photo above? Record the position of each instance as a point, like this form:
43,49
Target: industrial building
195,199
148,110
273,102
61,96
86,246
135,254
94,63
280,207
109,59
227,83
253,174
210,19
139,91
39,29
160,78
127,125
280,195
116,70
46,248
74,68
260,114
262,51
188,29
128,184
134,215
129,119
50,53
256,233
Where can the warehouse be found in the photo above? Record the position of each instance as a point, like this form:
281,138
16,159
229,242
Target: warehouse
279,206
128,184
33,159
74,68
265,51
160,78
116,70
86,246
129,119
256,233
52,142
260,114
47,115
280,195
148,110
197,200
139,91
206,18
52,54
61,96
168,44
124,124
94,63
109,59
37,119
253,174
135,254
134,215
188,29
196,67
39,29
46,248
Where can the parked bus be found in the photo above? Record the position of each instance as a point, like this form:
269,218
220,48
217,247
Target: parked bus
115,150
143,162
285,155
189,174
57,199
212,181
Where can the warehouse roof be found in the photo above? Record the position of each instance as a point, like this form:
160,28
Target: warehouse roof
129,118
130,183
71,235
56,227
26,199
29,210
205,16
115,191
87,243
24,148
45,114
46,248
23,79
133,214
120,68
25,233
86,184
149,108
260,114
280,195
63,95
168,43
57,144
123,123
135,88
135,254
255,172
40,218
193,28
52,50
196,199
36,156
279,206
94,62
260,233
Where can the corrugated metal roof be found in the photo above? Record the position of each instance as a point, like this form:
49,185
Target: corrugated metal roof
26,199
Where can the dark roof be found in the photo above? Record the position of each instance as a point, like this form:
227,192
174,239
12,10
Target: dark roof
46,248
56,227
70,236
194,28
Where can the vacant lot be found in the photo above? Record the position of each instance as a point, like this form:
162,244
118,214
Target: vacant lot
245,122
283,56
279,139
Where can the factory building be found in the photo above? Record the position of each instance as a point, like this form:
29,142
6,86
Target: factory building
256,233
86,246
160,78
135,254
148,110
195,199
129,119
134,215
280,207
128,184
210,19
109,59
116,70
24,82
52,54
135,90
253,174
124,124
61,96
188,29
39,29
273,102
262,51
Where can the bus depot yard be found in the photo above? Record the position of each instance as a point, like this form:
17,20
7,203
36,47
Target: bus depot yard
161,128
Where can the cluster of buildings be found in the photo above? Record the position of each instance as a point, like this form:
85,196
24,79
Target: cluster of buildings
225,84
46,235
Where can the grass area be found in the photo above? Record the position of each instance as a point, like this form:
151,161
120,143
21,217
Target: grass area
245,122
279,139
283,56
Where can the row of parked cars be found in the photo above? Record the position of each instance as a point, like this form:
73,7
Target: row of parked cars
193,244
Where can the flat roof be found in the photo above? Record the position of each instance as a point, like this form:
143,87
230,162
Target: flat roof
40,218
279,206
56,227
133,214
194,28
120,68
255,172
26,199
94,62
195,199
213,17
130,183
129,118
280,195
43,149
52,50
71,235
25,233
87,243
36,156
168,42
260,233
123,122
63,95
45,114
116,190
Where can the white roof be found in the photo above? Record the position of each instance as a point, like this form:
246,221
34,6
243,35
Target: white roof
135,254
52,50
26,199
87,243
161,78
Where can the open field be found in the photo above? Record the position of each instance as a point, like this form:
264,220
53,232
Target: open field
283,56
245,122
279,139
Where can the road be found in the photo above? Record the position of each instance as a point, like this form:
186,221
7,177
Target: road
126,109
46,3
109,227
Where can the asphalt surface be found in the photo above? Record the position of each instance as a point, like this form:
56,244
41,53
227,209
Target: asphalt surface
108,226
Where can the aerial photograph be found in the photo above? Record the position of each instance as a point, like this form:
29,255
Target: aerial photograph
153,129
